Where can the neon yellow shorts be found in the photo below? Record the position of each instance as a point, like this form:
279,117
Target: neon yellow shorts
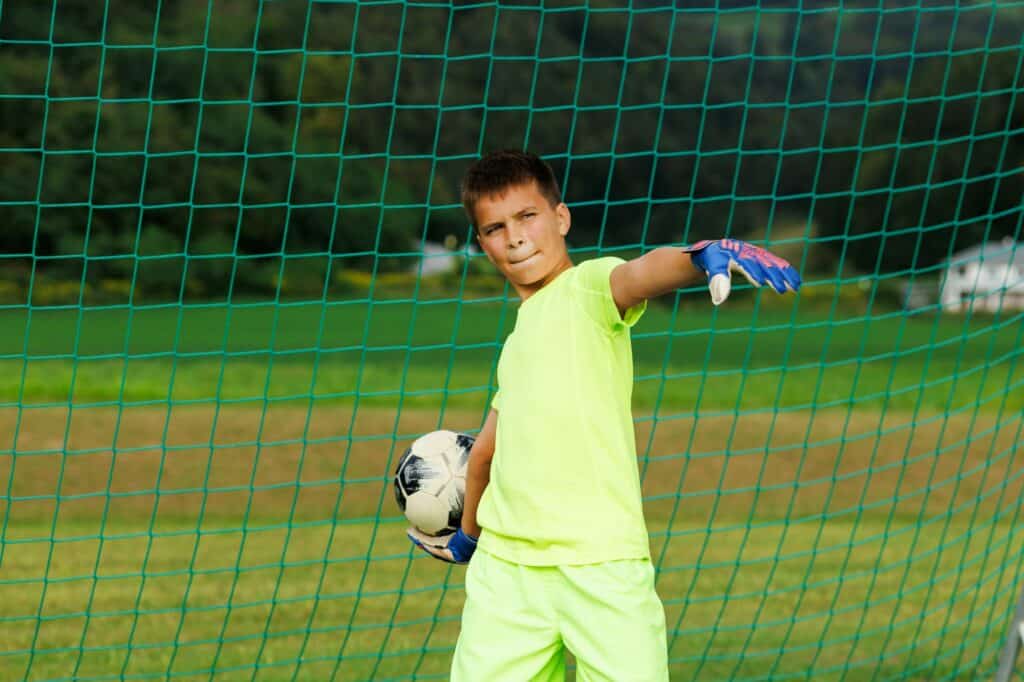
519,620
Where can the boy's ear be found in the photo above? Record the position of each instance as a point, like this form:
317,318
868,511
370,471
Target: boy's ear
564,219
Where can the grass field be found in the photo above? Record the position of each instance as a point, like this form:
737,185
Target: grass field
204,491
219,596
443,352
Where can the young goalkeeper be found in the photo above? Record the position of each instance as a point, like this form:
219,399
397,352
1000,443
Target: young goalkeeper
553,505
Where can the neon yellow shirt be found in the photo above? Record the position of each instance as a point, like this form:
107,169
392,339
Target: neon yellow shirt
564,485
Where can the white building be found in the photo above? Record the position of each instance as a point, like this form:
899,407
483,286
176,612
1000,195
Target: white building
436,259
441,258
985,277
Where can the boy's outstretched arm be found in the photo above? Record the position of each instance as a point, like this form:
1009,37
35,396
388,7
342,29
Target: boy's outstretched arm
458,547
655,273
668,268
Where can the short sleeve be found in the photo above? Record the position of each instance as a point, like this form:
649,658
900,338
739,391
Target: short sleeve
594,291
496,401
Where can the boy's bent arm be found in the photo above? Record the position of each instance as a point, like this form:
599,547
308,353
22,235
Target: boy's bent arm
478,473
655,273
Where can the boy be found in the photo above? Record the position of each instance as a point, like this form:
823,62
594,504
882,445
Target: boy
552,487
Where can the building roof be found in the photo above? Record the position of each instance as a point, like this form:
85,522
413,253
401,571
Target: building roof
1003,251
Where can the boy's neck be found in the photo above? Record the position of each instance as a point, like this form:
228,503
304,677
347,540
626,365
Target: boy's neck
527,291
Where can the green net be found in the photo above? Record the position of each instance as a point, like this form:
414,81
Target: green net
235,282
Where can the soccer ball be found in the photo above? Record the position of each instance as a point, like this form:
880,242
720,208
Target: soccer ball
430,481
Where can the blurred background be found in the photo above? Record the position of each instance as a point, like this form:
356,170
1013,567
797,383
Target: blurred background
236,282
878,139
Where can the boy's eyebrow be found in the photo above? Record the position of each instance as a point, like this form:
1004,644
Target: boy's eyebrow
498,223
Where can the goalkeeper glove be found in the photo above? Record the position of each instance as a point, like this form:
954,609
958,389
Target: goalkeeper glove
719,258
455,548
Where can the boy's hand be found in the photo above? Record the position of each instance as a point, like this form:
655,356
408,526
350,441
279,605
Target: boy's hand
455,548
718,258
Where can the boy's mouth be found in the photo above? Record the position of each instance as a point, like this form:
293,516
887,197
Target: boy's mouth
522,260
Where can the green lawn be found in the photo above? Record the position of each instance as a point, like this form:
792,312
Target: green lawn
443,352
265,600
216,505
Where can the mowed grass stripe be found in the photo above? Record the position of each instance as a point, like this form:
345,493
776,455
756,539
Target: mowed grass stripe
440,353
289,461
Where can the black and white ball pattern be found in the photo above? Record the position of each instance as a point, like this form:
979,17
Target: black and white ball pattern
430,481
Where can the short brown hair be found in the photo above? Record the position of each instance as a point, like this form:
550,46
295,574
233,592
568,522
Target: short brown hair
498,171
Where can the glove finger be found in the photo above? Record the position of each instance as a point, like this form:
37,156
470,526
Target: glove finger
782,275
749,269
437,553
421,539
775,277
791,278
435,550
720,286
442,554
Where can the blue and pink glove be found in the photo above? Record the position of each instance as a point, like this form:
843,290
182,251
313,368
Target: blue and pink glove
455,548
721,257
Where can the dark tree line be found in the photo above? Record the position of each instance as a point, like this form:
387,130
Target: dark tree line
288,127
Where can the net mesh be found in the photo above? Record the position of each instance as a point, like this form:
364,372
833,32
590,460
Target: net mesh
236,282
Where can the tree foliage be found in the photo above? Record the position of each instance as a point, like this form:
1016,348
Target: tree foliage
261,129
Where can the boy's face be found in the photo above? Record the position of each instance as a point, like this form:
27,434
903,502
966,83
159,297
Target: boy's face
524,236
